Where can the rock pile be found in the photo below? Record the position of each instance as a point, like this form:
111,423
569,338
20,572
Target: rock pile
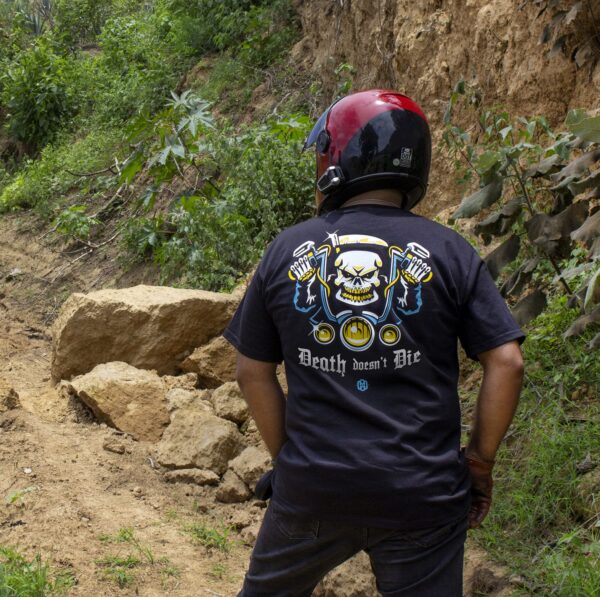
117,346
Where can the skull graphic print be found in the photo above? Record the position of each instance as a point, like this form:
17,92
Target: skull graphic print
358,287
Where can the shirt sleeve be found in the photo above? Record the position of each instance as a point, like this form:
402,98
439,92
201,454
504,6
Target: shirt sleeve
485,319
252,330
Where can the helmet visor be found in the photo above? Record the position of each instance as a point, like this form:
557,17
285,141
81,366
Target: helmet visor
319,126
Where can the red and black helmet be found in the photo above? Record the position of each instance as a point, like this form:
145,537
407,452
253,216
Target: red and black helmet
371,140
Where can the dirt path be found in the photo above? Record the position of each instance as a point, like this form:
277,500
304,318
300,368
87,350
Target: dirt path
62,494
81,506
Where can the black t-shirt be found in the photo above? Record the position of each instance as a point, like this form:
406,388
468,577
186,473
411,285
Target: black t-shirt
365,306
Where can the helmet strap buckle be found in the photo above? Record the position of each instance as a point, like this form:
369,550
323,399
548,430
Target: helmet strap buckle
332,177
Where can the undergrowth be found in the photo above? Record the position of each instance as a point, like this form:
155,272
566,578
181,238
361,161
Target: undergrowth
20,576
543,524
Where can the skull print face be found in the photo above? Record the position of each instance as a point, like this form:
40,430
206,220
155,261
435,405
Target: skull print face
357,277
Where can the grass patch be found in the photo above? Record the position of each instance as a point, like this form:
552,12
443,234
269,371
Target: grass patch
539,525
29,578
127,535
210,537
119,568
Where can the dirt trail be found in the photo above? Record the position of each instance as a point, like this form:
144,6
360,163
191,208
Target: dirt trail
63,495
61,492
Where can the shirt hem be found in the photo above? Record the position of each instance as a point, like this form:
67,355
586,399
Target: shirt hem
495,342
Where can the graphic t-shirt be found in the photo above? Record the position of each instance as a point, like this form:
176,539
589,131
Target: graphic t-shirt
365,306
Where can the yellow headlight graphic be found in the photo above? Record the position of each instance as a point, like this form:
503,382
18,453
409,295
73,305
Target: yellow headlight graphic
324,333
357,333
389,334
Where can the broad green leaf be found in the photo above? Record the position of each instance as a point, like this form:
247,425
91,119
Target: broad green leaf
487,160
579,326
592,295
502,255
587,129
578,186
575,116
589,231
578,165
529,307
545,166
132,166
479,200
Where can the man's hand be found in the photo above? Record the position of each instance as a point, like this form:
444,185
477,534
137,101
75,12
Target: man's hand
481,490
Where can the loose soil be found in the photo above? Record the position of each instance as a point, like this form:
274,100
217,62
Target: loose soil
63,495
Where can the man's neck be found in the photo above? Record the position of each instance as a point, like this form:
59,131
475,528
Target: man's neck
388,198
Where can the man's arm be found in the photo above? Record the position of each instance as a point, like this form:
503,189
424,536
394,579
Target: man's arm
494,411
262,392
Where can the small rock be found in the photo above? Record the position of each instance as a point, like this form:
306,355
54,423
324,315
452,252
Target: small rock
586,465
228,403
27,470
15,273
138,491
111,444
187,381
192,475
250,533
130,399
240,519
9,399
180,398
197,439
214,362
232,489
251,464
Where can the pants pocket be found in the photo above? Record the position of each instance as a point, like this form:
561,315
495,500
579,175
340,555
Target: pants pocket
294,526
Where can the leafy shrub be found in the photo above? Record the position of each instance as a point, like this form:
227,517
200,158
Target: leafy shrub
528,169
80,21
236,191
34,92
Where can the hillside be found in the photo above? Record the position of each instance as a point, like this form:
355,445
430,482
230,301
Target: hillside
160,143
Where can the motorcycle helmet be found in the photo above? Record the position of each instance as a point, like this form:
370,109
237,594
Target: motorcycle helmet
369,140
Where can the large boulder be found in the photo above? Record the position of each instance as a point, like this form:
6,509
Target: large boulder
130,399
214,363
150,327
198,439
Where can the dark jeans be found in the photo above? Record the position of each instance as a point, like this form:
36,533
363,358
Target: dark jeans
293,553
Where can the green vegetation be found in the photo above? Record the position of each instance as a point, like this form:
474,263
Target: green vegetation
100,75
533,190
210,537
32,578
543,523
121,567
